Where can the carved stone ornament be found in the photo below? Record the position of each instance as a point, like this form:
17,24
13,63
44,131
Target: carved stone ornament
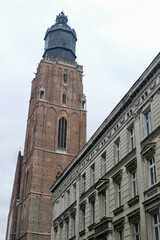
148,150
119,224
118,176
134,216
102,184
132,165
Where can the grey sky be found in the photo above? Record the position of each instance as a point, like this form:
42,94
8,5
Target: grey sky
117,40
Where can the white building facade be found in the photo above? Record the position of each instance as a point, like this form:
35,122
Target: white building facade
111,190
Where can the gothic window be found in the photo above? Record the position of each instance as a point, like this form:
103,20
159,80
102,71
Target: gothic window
65,78
62,133
58,175
64,98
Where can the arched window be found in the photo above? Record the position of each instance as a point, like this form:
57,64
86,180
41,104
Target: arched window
64,98
62,133
65,78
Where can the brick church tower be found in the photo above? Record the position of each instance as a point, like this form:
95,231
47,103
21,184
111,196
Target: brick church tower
56,131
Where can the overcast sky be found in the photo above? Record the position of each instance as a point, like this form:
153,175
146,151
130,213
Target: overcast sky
117,40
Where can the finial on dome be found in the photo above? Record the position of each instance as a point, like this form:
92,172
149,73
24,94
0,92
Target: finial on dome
61,18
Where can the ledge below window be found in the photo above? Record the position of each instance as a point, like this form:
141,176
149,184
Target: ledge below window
133,201
118,210
81,233
91,227
72,238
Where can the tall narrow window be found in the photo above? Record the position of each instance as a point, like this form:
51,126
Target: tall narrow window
62,133
83,218
120,235
74,192
147,123
64,98
68,198
152,171
83,182
117,151
92,174
103,195
156,223
132,138
92,212
73,226
119,194
65,78
134,184
103,163
67,229
136,231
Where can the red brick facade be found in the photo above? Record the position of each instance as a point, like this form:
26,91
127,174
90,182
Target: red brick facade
42,158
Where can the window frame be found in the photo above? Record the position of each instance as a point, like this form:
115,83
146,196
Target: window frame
117,151
92,171
156,225
134,183
103,164
147,118
62,133
132,143
152,171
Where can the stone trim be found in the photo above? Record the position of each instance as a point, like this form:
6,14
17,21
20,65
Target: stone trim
132,165
117,177
119,224
134,216
81,233
118,210
133,201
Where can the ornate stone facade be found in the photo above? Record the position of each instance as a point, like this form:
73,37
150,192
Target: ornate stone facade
113,184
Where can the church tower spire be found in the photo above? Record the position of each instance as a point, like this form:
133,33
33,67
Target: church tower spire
60,40
56,131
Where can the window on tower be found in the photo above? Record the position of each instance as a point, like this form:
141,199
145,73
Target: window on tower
65,78
64,98
62,133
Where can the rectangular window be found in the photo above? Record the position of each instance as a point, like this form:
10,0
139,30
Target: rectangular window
104,212
92,174
65,78
73,226
83,218
132,139
74,192
120,235
92,212
83,182
134,184
156,224
67,229
119,194
152,172
103,163
147,123
136,231
68,198
117,151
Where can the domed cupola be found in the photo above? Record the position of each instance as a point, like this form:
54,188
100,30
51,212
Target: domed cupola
60,40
